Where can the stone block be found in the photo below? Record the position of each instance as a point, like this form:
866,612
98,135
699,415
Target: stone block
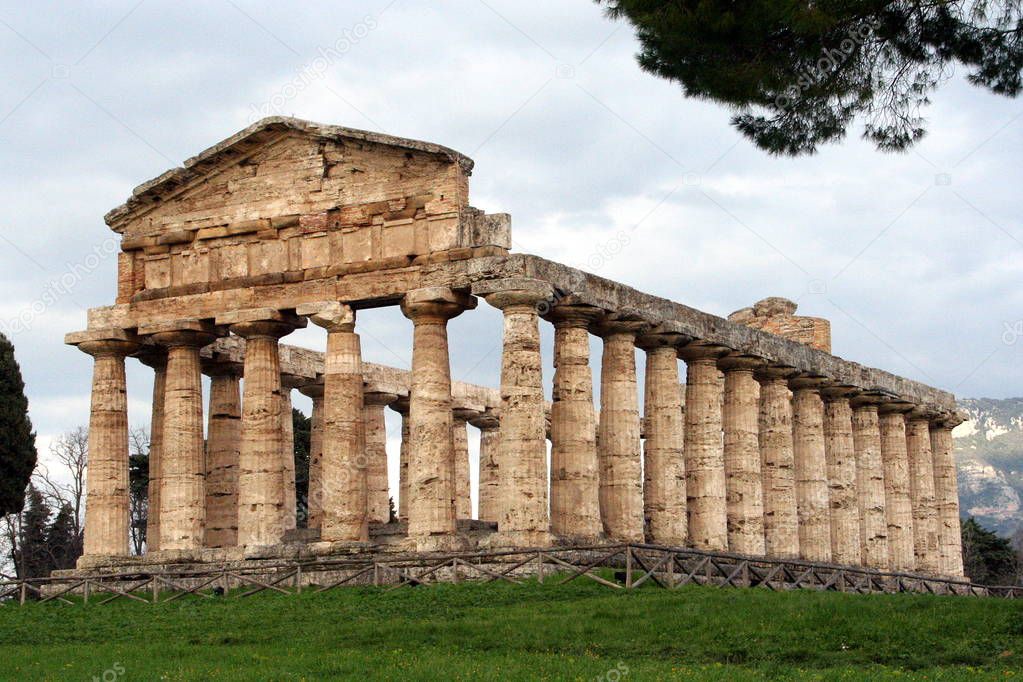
232,261
158,272
398,239
357,245
266,257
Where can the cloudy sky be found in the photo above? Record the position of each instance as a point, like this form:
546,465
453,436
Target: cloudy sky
914,258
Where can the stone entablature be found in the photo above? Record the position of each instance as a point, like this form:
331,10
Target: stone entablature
299,200
771,447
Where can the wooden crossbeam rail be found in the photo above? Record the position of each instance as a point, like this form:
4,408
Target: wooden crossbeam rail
634,565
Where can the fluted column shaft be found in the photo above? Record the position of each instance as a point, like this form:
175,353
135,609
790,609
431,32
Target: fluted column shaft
261,494
947,497
706,489
344,466
288,454
183,469
489,425
840,453
522,465
781,526
222,454
157,359
743,475
811,470
619,442
314,497
401,406
378,497
870,485
664,469
575,497
460,447
106,501
898,507
431,475
921,493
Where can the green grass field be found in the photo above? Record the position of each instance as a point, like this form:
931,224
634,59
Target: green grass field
581,631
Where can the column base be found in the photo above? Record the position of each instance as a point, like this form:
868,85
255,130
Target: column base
103,560
561,539
340,547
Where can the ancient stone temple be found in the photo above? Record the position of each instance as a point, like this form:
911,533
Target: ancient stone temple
766,445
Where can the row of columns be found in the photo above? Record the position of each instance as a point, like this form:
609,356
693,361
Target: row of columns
762,460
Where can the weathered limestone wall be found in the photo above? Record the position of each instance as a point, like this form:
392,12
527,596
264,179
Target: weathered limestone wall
777,316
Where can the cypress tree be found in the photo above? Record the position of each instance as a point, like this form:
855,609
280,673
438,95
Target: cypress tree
17,441
63,543
33,555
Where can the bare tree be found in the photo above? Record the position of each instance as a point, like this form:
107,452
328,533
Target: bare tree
64,484
138,496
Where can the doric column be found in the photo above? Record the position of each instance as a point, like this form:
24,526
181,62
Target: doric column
288,384
261,491
947,495
223,446
460,446
811,468
343,469
522,465
898,508
781,525
489,425
155,357
575,505
431,509
106,501
314,496
706,491
870,482
840,454
401,406
921,492
664,468
183,494
743,475
618,441
378,498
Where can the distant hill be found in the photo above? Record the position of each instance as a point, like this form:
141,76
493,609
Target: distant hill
989,456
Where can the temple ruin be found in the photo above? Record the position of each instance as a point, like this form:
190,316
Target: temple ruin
768,445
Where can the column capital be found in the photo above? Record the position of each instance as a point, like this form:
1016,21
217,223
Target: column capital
104,342
152,355
487,420
294,381
516,292
380,398
920,413
219,368
401,405
313,390
701,350
948,420
839,392
261,322
181,333
573,315
660,337
867,399
895,406
614,324
803,382
740,362
775,373
435,304
333,316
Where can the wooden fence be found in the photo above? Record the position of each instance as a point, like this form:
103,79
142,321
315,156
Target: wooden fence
617,567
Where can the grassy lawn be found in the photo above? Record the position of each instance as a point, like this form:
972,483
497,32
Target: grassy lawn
581,631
